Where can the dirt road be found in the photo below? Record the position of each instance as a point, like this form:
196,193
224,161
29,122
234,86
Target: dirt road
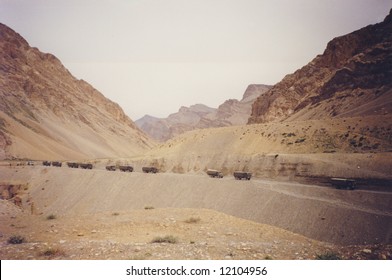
321,213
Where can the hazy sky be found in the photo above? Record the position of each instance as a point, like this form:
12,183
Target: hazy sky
152,56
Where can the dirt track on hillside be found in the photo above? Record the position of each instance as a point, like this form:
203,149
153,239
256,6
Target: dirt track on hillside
321,213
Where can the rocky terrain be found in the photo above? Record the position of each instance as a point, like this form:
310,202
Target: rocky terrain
231,112
46,113
352,78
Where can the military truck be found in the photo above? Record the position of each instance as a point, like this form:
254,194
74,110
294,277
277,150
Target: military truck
125,168
73,164
241,175
214,173
343,183
111,168
46,163
57,163
86,165
150,169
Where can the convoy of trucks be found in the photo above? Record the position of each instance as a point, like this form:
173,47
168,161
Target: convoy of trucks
338,183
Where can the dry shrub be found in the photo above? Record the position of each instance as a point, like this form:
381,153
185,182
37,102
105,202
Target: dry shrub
52,252
51,217
193,220
16,239
328,256
166,239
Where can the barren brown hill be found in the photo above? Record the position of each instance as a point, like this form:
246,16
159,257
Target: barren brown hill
231,112
353,77
46,113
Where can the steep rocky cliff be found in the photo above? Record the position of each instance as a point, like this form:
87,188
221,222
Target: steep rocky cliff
231,112
353,77
45,112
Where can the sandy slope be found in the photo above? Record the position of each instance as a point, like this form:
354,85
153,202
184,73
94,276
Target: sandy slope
51,139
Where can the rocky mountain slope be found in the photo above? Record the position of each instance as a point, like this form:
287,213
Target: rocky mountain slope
231,112
46,113
353,77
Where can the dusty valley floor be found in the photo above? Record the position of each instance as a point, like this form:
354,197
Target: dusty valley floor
68,213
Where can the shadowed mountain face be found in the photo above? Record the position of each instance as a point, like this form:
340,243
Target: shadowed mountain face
353,77
47,113
231,112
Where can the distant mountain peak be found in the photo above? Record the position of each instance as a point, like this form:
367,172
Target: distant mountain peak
231,112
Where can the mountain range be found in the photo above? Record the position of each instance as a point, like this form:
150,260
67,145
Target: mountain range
231,112
45,112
